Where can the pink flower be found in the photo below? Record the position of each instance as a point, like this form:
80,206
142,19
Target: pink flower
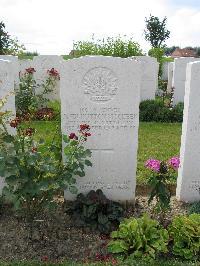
153,165
174,162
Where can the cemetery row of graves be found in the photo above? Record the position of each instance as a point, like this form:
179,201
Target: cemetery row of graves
70,155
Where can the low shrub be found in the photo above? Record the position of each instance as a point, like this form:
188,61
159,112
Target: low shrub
185,235
157,111
194,208
162,172
142,238
33,177
96,212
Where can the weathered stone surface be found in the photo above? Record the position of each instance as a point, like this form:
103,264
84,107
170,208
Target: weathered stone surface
7,90
170,76
179,77
104,92
188,183
42,64
14,66
149,80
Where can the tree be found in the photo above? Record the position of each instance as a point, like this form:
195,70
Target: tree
156,32
9,45
170,50
4,39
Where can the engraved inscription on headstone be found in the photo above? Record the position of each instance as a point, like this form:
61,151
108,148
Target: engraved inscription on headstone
100,84
104,93
188,183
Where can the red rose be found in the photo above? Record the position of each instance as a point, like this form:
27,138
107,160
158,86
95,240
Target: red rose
84,127
73,136
34,149
30,70
29,131
54,73
15,122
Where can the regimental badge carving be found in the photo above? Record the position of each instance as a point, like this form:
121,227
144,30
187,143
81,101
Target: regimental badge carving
100,84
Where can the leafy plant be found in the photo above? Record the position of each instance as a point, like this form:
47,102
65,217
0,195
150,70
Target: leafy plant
33,177
162,173
185,235
194,208
28,100
95,211
140,238
118,47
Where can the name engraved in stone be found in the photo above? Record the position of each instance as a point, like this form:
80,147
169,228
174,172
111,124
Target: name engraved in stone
195,185
99,184
101,119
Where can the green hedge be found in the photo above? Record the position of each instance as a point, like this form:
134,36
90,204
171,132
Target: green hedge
157,111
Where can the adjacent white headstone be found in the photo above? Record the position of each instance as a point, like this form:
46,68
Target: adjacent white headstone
170,76
42,64
149,81
104,92
24,64
179,77
14,65
188,183
7,89
165,71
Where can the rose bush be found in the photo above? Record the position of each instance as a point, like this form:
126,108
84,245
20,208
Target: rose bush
28,100
34,171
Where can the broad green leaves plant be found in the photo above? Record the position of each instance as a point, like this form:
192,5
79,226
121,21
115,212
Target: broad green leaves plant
34,171
185,235
96,212
140,238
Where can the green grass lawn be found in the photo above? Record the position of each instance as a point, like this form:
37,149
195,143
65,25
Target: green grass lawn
156,140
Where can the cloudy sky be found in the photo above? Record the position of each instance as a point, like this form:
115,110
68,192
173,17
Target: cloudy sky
51,26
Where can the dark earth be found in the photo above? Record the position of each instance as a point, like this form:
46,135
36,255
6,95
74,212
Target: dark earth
54,237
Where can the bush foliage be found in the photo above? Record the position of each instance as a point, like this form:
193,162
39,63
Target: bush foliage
157,111
139,238
96,211
185,234
117,47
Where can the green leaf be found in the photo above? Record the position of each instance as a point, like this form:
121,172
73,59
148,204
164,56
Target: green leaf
8,138
73,189
88,163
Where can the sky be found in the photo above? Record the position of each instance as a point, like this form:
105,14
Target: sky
51,26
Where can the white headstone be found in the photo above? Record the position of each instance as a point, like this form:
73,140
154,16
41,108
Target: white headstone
165,70
7,90
179,77
24,64
104,93
149,81
170,76
14,65
188,183
42,64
